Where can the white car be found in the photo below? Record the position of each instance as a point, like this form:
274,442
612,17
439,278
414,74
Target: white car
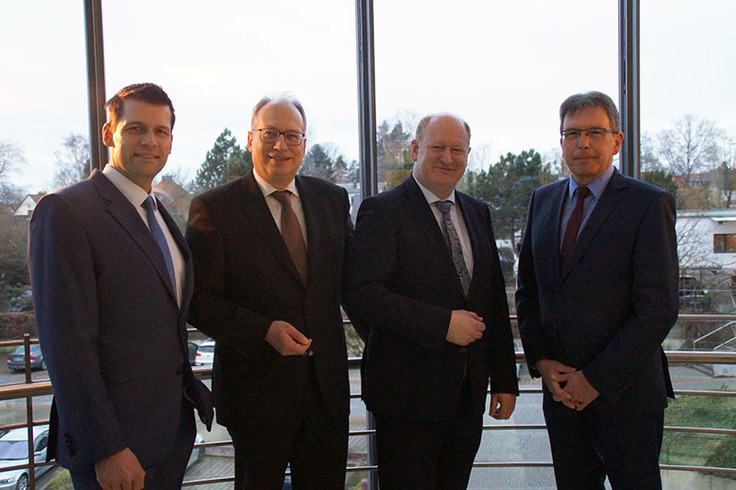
206,353
14,452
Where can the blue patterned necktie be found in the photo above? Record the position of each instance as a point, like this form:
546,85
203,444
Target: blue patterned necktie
160,238
453,242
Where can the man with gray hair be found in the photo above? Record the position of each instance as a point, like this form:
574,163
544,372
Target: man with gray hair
268,254
428,297
598,294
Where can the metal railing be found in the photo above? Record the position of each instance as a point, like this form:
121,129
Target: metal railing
34,388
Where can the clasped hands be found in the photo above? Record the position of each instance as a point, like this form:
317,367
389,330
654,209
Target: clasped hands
576,394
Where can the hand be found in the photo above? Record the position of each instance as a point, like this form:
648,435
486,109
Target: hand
554,373
502,405
286,339
121,471
581,391
465,328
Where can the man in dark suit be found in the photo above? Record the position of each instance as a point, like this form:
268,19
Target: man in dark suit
111,321
428,297
268,254
597,296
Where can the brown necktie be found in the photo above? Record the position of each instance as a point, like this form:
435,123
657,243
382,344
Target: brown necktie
573,226
292,234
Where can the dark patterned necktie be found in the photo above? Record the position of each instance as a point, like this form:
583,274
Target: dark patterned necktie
453,242
160,238
292,234
573,226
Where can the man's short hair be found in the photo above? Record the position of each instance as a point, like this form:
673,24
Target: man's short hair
576,102
146,92
279,98
426,119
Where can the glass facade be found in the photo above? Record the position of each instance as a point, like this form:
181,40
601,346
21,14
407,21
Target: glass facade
505,67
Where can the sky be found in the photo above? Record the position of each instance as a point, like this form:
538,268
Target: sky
503,66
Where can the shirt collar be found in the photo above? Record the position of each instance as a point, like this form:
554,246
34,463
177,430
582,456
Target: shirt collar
127,187
267,189
596,187
430,196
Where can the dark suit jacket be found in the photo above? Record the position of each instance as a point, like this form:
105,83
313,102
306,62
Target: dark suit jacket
112,334
608,312
403,290
246,280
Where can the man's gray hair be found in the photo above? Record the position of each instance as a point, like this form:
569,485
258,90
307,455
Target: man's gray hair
279,98
576,102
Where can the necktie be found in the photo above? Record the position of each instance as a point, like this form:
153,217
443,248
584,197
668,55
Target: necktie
292,234
573,226
453,242
160,238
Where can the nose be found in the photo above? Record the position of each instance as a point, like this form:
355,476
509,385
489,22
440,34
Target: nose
148,138
280,142
446,155
583,139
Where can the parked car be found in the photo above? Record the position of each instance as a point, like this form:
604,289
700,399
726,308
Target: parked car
206,353
17,359
192,353
14,452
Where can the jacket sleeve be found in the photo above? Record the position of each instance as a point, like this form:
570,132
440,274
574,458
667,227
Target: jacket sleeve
655,303
211,311
372,301
63,281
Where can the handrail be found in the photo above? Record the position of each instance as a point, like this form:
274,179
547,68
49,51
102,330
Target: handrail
43,387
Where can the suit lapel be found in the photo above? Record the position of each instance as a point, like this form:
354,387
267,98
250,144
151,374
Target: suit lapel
188,279
608,202
118,206
258,213
421,214
475,226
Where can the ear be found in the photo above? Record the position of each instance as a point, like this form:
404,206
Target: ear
619,139
414,150
107,133
250,141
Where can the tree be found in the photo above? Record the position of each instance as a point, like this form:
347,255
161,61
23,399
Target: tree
725,175
72,161
507,187
226,161
318,163
394,153
662,179
11,160
691,147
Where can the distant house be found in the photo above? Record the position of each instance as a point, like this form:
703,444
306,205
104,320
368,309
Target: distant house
707,238
24,211
175,198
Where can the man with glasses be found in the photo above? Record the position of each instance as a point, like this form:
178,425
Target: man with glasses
597,295
268,257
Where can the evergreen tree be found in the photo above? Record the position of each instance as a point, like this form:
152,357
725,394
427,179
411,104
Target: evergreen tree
226,161
507,187
318,163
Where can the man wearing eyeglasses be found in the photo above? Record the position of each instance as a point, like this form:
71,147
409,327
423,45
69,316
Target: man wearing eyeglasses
268,257
597,295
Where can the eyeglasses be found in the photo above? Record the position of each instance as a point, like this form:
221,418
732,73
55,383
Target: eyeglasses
270,136
595,134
